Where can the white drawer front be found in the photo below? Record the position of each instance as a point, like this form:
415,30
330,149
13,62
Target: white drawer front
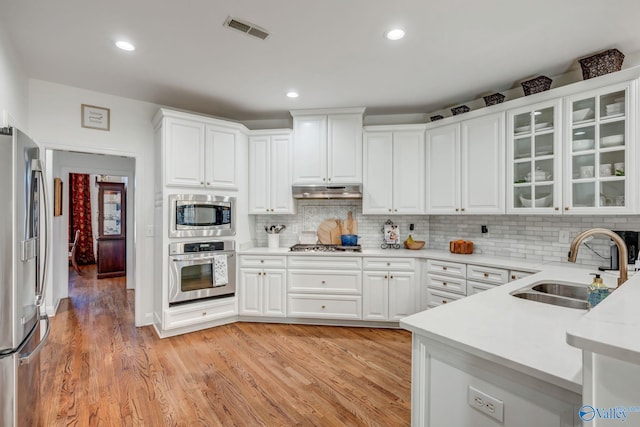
394,264
436,298
477,287
453,269
496,276
515,275
348,262
447,284
327,307
186,316
259,261
325,282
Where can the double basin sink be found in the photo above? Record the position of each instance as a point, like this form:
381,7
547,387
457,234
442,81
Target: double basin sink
568,295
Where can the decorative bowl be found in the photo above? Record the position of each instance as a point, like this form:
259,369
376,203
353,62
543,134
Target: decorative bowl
349,239
541,202
416,244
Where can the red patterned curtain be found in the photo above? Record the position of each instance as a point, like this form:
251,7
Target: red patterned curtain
80,216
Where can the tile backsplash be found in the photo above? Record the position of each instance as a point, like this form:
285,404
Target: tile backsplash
533,238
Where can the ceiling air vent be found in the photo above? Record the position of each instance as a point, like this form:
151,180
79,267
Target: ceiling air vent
247,28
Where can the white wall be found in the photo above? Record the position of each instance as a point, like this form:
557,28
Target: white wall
54,112
13,87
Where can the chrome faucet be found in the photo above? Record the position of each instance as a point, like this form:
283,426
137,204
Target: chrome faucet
622,249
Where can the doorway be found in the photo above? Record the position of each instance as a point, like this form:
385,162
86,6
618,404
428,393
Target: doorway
98,167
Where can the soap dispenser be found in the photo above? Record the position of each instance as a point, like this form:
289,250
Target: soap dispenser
597,291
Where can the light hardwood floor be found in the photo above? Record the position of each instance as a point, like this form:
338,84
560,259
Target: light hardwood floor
98,369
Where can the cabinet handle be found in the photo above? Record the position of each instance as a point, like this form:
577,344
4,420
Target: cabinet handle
557,208
462,209
486,274
566,208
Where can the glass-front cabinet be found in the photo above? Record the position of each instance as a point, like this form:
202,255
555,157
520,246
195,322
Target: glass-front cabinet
598,150
534,153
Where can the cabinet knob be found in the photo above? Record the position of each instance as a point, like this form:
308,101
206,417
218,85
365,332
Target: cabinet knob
267,210
395,210
208,183
323,282
444,302
259,273
457,209
390,277
324,179
557,208
444,283
201,182
462,209
385,276
262,261
328,179
323,307
513,277
444,268
388,264
264,273
486,274
566,208
389,209
271,210
204,313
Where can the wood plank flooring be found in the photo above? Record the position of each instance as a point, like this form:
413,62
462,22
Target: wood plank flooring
98,369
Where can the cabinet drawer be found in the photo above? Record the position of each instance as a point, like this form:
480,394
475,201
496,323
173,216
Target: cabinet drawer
453,269
515,275
447,284
436,298
348,262
477,287
191,314
326,306
496,276
325,282
260,261
389,264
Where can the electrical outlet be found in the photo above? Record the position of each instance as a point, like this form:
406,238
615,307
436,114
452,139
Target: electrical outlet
563,236
486,404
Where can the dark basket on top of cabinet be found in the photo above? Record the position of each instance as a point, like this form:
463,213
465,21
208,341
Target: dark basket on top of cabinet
539,84
601,63
459,110
493,99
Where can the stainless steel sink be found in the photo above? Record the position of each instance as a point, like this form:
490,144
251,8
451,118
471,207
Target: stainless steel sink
563,290
568,295
554,300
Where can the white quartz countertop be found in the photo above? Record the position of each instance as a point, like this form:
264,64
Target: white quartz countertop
480,259
612,328
527,336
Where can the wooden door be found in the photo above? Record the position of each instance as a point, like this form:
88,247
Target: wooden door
112,236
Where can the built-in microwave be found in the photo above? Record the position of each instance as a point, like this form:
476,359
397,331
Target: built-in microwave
201,215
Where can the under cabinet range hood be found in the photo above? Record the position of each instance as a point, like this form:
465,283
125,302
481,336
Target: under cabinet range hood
344,191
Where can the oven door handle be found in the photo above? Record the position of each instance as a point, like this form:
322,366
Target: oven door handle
194,258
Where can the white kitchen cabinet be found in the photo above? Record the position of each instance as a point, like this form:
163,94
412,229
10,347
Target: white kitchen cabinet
466,167
394,170
389,288
193,314
327,287
481,278
534,153
200,155
516,274
270,174
600,153
262,289
327,146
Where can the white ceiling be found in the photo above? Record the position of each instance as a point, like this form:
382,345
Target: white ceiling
332,51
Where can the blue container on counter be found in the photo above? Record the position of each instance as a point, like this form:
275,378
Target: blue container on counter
349,240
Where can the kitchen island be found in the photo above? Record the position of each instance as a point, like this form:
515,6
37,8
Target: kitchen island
492,359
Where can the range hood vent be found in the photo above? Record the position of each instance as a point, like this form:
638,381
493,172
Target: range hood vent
346,191
247,28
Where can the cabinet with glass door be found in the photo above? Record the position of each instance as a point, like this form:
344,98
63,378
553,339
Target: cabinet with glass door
533,150
599,161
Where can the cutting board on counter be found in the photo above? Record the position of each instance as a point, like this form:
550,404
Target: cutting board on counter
350,225
328,232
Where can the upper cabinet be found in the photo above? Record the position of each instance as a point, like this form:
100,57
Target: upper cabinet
534,153
270,173
600,164
394,170
466,167
327,146
199,152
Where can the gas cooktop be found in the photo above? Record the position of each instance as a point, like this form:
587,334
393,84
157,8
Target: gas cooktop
324,248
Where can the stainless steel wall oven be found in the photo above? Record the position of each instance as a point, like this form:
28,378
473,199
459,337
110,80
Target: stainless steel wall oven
200,270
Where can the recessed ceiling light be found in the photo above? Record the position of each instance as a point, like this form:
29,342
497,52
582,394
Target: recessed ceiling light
293,94
395,34
124,45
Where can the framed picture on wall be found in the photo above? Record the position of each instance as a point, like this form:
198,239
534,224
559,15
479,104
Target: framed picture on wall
57,197
95,117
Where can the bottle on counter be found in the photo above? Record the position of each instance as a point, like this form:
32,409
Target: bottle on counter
597,291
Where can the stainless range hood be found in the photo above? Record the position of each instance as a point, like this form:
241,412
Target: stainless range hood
338,191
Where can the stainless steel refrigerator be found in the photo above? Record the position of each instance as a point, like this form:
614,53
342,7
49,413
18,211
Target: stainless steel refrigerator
23,237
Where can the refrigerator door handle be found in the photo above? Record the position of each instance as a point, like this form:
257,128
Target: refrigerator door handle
26,359
37,167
